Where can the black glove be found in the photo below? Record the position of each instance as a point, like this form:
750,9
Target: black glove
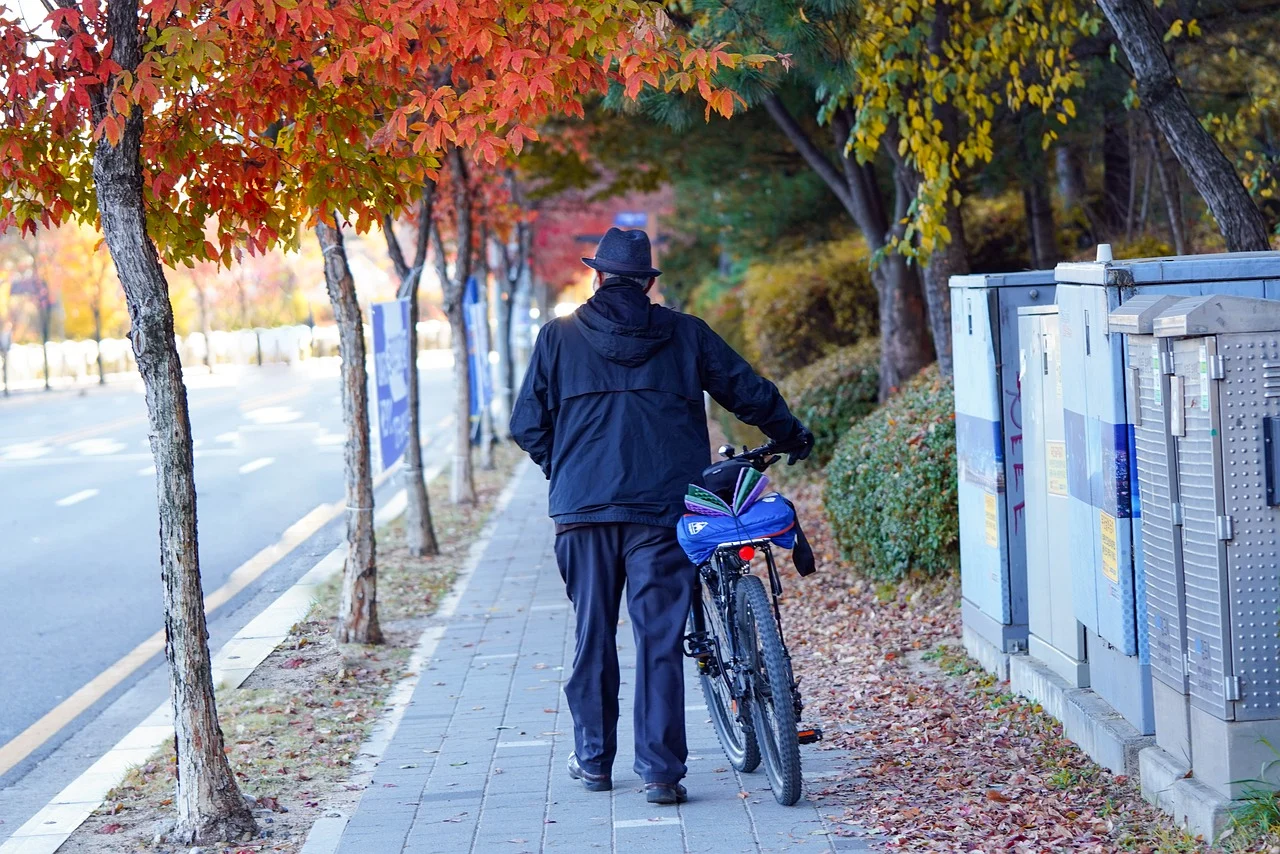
798,447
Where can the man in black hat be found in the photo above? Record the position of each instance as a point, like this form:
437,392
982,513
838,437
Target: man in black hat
612,411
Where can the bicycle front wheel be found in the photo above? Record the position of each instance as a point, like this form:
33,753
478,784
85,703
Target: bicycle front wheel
773,709
739,743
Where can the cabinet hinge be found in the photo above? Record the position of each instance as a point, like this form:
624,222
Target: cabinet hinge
1175,512
1233,687
1216,368
1226,528
1166,362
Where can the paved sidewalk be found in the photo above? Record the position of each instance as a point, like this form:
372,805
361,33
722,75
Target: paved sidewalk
478,761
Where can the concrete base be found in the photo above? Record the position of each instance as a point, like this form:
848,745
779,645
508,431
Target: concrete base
992,658
1073,670
1004,637
1122,681
1173,721
1086,718
1192,804
1226,753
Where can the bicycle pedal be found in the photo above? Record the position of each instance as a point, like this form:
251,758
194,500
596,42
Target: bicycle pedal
809,735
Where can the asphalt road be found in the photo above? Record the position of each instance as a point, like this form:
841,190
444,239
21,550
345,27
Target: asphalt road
79,579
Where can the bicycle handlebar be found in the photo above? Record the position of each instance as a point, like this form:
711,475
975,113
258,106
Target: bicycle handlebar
760,458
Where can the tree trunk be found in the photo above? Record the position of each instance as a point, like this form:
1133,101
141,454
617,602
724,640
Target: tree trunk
1172,192
1239,219
505,302
358,612
97,338
209,804
1039,212
462,488
1071,183
1116,169
46,321
420,533
905,345
202,299
951,258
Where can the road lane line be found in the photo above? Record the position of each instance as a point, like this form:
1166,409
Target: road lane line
254,465
76,498
30,739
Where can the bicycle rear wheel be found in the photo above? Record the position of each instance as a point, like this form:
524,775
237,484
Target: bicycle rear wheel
739,744
772,708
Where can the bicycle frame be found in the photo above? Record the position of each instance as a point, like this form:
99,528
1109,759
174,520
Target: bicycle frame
721,574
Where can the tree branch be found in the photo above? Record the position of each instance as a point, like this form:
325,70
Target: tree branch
809,150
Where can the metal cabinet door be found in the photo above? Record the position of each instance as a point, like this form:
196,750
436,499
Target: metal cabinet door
1194,422
1249,393
1083,544
1099,460
1067,634
1161,540
1035,383
984,547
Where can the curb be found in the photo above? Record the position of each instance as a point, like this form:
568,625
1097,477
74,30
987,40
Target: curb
326,834
53,824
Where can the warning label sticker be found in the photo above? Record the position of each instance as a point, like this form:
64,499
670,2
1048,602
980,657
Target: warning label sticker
993,523
1110,566
1055,455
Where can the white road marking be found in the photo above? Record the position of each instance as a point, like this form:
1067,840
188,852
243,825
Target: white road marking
254,465
497,655
97,447
76,498
273,415
645,822
25,451
534,743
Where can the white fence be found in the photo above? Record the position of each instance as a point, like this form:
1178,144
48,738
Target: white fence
72,362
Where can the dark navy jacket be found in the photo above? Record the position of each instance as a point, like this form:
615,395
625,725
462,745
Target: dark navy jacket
612,409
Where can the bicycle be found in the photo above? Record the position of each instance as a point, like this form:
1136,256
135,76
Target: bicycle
736,638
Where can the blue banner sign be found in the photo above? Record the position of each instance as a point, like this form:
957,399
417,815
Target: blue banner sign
631,219
391,377
476,313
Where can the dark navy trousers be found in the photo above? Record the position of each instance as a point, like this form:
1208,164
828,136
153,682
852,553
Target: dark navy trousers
596,561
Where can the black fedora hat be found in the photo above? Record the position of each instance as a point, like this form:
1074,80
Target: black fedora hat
625,253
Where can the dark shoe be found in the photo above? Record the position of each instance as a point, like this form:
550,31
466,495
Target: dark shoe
665,793
592,782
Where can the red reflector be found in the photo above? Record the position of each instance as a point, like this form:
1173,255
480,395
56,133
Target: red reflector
747,552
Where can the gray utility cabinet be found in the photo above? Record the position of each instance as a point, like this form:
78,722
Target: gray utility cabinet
1105,518
993,561
1225,418
1056,637
1147,395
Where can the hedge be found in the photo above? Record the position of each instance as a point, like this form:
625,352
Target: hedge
891,485
807,302
833,393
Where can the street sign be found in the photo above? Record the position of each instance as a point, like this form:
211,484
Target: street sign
476,314
391,376
631,219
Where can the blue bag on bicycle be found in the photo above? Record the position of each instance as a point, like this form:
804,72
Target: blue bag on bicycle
770,518
739,515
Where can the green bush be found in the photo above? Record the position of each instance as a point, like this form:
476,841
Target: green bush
807,302
891,485
834,392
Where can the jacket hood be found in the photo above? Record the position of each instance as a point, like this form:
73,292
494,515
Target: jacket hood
622,325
